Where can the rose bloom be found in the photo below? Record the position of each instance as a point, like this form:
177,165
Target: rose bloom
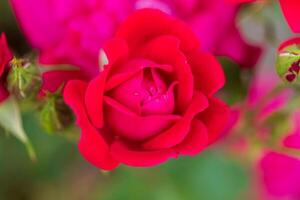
5,57
154,100
73,31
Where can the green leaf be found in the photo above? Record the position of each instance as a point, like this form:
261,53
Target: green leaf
11,121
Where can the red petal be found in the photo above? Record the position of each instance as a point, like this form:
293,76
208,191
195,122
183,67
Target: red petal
196,140
140,28
290,9
94,98
215,118
5,53
116,50
3,93
91,145
178,132
165,50
208,73
52,80
139,158
130,125
288,42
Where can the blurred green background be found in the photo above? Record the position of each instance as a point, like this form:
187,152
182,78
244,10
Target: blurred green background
61,174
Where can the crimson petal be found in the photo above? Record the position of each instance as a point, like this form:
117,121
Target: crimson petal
179,131
92,145
196,140
139,158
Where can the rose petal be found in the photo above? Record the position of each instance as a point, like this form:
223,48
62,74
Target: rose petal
178,132
3,93
94,98
128,124
130,69
208,73
195,141
53,80
215,118
116,50
139,158
139,28
92,145
289,42
290,9
165,50
5,54
281,174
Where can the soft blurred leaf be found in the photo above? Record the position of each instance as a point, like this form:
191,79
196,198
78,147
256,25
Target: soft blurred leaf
237,82
10,120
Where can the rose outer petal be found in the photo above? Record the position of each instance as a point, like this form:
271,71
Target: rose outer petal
196,140
3,93
176,134
140,25
128,124
53,80
290,9
139,158
208,74
215,118
5,54
92,145
288,42
94,99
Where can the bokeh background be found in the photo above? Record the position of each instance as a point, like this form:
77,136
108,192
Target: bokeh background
60,173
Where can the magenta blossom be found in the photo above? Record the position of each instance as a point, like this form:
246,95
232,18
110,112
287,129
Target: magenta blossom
73,31
280,172
207,16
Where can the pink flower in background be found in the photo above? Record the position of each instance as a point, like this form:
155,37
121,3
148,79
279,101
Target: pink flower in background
70,31
5,57
214,22
73,31
280,173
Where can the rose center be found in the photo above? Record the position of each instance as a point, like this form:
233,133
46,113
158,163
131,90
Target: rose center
146,93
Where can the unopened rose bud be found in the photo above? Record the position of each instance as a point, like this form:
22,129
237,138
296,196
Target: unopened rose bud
288,61
55,114
23,79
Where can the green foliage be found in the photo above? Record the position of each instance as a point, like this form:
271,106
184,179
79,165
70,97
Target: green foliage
10,120
210,175
237,81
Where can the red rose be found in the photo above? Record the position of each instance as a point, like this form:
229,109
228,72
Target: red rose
153,101
5,57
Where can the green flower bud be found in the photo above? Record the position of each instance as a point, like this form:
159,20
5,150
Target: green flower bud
55,114
24,79
287,64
